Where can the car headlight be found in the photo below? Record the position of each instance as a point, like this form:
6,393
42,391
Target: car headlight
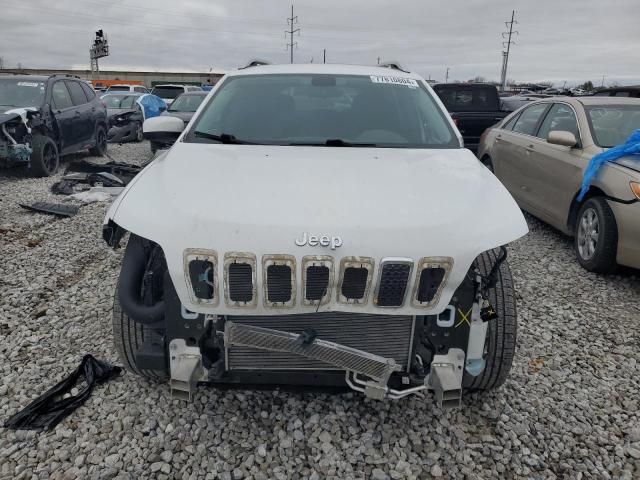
635,188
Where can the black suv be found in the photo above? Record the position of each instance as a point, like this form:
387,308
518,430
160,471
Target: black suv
43,118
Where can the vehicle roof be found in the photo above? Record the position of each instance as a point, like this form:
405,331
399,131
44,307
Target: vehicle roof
201,93
463,84
124,94
576,101
618,89
125,85
173,85
37,78
326,68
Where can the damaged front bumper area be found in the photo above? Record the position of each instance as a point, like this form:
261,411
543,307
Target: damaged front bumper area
15,140
445,377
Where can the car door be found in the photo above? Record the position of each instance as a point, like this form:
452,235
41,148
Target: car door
508,165
82,118
64,113
553,172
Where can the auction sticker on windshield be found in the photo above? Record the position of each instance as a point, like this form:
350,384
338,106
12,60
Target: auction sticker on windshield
409,82
27,84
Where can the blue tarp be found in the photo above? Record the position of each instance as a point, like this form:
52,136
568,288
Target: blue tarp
151,105
630,147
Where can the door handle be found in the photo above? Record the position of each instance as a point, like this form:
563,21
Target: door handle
77,113
529,148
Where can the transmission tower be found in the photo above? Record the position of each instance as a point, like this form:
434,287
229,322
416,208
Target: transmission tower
507,45
291,21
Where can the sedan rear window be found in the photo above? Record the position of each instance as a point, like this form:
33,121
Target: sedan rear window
325,110
167,92
611,125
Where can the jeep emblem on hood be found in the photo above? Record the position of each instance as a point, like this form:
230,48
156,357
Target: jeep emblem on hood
323,240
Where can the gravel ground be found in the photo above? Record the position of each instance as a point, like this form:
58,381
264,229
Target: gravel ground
568,410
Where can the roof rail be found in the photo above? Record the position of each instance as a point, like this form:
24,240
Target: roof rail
66,75
394,66
256,62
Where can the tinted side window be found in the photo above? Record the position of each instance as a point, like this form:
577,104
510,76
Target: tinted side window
140,89
77,94
510,123
622,94
529,118
560,117
60,96
88,91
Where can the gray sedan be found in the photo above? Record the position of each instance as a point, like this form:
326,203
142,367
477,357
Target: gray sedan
186,105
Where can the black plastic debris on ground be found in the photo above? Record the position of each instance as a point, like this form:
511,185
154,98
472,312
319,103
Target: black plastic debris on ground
50,408
83,175
123,171
58,209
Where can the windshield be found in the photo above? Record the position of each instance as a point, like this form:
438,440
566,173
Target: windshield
324,110
15,92
167,92
119,101
611,125
187,103
119,88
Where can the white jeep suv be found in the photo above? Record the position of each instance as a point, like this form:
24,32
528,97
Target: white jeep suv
316,225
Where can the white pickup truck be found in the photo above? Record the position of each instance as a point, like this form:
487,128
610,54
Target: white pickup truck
316,225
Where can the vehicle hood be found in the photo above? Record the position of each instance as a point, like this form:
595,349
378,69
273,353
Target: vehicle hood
382,202
184,116
10,113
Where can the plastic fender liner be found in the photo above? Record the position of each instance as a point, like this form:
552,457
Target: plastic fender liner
134,266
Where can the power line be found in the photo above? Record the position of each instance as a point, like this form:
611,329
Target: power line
505,54
290,22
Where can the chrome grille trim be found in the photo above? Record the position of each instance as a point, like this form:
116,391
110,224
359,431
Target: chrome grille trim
191,254
271,260
446,263
392,261
355,262
246,258
317,261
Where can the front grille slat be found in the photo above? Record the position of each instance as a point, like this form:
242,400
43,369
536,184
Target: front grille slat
392,284
317,282
354,283
240,282
279,283
430,280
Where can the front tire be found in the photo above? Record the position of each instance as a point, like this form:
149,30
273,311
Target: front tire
500,344
596,236
45,158
128,337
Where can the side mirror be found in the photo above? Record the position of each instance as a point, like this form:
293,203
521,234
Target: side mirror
562,137
162,130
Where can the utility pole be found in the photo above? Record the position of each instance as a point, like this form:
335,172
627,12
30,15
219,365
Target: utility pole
602,84
507,44
291,21
324,55
378,60
446,76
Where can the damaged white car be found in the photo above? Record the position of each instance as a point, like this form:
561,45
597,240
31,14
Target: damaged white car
316,225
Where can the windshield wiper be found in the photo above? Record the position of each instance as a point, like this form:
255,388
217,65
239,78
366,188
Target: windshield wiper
222,138
333,142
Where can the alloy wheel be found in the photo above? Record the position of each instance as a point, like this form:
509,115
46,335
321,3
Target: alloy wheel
588,233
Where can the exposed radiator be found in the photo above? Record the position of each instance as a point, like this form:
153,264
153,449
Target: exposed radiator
388,336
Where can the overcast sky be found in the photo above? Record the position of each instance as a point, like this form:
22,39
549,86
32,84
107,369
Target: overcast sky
558,39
